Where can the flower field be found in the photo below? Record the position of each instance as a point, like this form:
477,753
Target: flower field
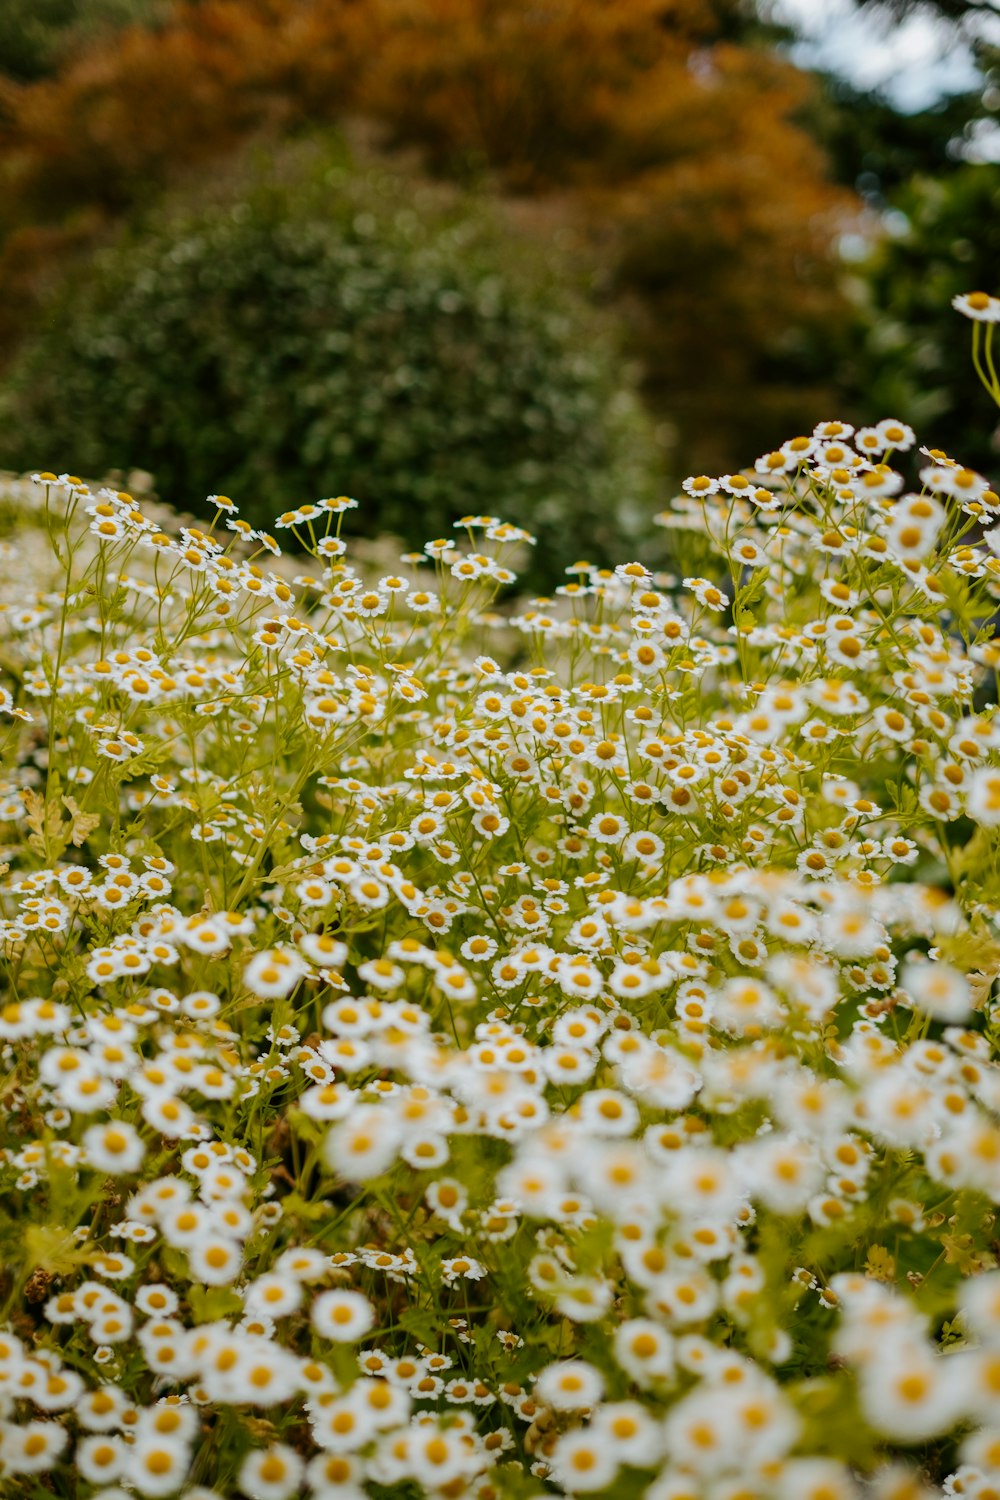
463,1049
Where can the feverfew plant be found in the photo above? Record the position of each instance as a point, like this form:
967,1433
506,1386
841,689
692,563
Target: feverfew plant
453,1050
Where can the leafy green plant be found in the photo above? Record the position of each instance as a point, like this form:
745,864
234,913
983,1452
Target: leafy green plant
344,329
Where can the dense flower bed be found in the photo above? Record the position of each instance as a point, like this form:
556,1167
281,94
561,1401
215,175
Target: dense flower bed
453,1051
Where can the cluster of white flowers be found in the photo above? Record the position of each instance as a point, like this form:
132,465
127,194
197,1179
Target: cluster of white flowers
451,1048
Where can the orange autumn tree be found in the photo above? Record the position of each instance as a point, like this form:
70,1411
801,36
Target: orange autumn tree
671,151
80,150
708,203
547,95
728,251
123,114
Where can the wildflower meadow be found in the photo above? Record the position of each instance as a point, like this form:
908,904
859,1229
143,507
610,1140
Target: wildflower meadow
463,1047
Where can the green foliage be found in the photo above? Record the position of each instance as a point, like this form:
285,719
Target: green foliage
877,148
912,358
344,332
37,35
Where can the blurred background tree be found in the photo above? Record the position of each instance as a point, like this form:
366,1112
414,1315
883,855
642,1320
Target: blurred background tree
947,10
910,356
930,230
675,125
772,242
38,36
662,132
324,328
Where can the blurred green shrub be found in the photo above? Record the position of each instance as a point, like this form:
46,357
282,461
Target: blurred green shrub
346,331
911,356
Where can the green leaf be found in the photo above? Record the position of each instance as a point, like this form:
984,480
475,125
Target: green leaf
209,1303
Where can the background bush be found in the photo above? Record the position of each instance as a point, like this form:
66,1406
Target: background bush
666,134
342,331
